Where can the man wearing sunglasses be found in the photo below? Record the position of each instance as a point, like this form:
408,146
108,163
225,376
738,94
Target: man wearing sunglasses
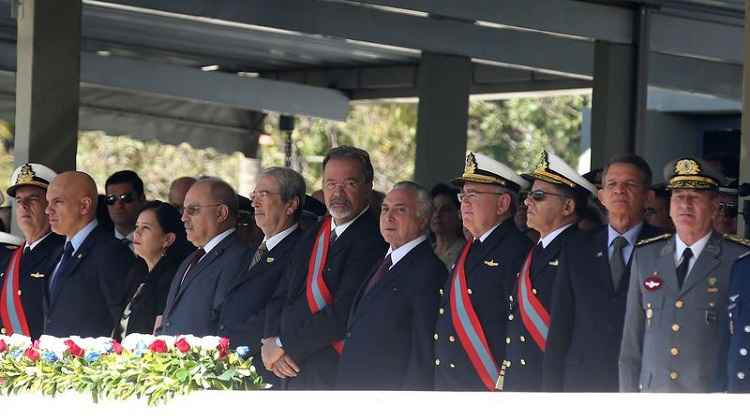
725,220
470,330
592,285
125,199
679,291
556,197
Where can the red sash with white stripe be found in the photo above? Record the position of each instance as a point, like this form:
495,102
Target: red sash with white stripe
533,314
11,308
318,295
467,326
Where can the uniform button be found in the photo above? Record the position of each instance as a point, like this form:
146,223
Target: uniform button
740,375
523,339
451,338
711,304
19,293
679,304
533,291
437,362
507,340
510,317
747,328
523,362
507,363
743,351
675,327
510,298
674,351
441,311
435,337
2,330
441,291
674,375
452,365
168,324
221,327
469,291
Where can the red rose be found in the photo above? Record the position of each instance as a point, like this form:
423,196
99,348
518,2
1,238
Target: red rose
182,345
73,348
3,346
116,347
32,354
158,346
223,346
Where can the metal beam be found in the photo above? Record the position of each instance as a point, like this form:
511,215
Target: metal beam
214,87
679,35
686,74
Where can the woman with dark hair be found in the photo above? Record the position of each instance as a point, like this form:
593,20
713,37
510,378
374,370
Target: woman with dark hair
159,241
446,224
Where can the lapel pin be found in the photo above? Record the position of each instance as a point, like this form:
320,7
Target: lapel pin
37,275
554,263
491,263
652,283
269,260
599,254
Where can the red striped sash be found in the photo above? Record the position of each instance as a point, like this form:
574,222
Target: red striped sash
318,295
533,314
468,328
11,308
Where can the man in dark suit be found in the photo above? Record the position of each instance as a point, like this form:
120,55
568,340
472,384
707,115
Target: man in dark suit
278,200
87,288
26,270
198,288
470,331
395,310
592,286
124,198
303,337
556,198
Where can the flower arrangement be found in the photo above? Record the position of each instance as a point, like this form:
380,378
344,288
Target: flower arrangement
142,366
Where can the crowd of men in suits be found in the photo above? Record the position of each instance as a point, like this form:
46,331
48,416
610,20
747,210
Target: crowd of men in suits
358,298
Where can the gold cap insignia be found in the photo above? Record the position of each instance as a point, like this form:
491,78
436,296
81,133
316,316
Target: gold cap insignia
687,167
471,164
543,164
26,175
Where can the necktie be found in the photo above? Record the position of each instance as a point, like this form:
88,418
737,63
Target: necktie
334,236
375,279
260,253
617,261
61,268
193,261
682,269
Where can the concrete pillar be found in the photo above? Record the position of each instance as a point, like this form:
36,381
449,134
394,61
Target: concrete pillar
745,143
613,102
443,83
47,82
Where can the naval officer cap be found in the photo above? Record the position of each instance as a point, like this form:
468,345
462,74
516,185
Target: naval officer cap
551,168
485,170
692,174
32,174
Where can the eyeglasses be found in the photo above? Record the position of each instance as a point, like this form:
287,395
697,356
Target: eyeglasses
194,209
541,195
473,195
126,198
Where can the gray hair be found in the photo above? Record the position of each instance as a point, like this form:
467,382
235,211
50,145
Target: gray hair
424,200
291,185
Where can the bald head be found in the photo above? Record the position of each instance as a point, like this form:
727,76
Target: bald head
179,189
71,199
210,209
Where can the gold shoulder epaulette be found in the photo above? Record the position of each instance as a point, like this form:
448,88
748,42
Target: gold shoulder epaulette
737,240
654,239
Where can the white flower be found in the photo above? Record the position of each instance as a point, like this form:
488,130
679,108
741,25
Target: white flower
137,340
53,344
192,340
18,340
209,342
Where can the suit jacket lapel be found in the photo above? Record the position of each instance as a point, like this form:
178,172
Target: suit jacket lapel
76,259
601,254
202,264
707,261
477,255
666,268
171,297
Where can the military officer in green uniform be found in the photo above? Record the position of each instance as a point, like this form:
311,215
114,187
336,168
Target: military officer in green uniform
677,292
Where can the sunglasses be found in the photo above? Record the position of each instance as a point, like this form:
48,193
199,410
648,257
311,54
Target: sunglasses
126,198
541,195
